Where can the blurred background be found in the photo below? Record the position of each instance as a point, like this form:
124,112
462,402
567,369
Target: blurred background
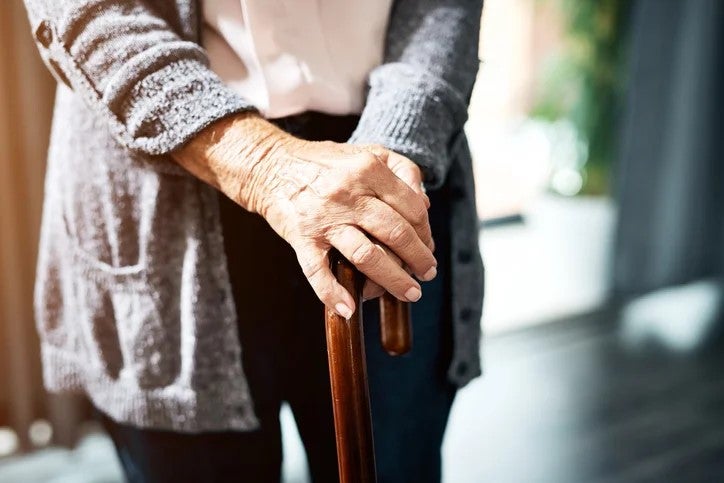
597,136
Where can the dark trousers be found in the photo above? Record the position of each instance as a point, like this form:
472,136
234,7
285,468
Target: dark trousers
281,327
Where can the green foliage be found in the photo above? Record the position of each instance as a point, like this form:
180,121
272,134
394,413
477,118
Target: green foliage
583,83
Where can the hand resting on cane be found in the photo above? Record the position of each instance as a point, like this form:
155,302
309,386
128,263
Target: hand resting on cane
319,195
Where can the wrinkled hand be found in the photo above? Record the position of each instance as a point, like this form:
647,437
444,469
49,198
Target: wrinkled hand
365,201
410,173
318,195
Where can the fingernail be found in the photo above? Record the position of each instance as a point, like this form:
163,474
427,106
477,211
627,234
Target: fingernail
430,274
343,310
413,294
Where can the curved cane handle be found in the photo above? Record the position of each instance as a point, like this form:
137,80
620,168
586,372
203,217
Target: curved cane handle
395,325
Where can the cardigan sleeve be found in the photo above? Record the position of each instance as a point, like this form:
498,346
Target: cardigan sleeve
152,85
418,98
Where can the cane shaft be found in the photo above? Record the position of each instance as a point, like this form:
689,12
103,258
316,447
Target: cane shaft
348,375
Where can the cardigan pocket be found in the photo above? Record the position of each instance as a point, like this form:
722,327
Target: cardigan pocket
127,330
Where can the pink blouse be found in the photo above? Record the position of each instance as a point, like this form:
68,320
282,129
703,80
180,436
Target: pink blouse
291,56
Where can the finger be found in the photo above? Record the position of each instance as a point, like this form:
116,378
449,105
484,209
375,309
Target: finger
394,232
371,290
422,227
372,261
409,172
407,203
315,266
403,168
395,192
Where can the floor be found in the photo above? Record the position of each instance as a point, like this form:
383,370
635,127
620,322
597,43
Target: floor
573,401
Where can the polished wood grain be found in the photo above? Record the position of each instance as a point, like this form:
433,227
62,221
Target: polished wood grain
350,392
395,325
348,372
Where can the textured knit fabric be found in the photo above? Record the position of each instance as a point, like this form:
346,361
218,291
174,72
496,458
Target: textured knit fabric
292,57
285,360
133,300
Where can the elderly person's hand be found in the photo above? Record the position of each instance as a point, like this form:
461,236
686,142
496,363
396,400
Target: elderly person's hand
319,195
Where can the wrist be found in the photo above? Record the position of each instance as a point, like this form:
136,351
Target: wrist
234,155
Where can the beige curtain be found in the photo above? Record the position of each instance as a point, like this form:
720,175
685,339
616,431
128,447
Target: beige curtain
26,97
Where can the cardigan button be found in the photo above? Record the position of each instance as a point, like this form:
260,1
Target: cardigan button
465,256
461,369
44,34
466,314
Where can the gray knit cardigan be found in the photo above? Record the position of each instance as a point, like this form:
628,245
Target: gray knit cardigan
133,299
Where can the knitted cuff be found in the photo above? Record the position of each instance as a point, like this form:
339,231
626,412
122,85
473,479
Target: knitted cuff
414,114
170,105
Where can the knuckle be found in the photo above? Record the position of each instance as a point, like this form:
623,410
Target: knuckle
338,187
312,264
377,149
310,269
322,286
419,214
367,162
415,172
400,235
337,193
367,210
366,207
365,254
325,293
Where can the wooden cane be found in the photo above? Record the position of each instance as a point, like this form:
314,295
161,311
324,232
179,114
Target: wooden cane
348,372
